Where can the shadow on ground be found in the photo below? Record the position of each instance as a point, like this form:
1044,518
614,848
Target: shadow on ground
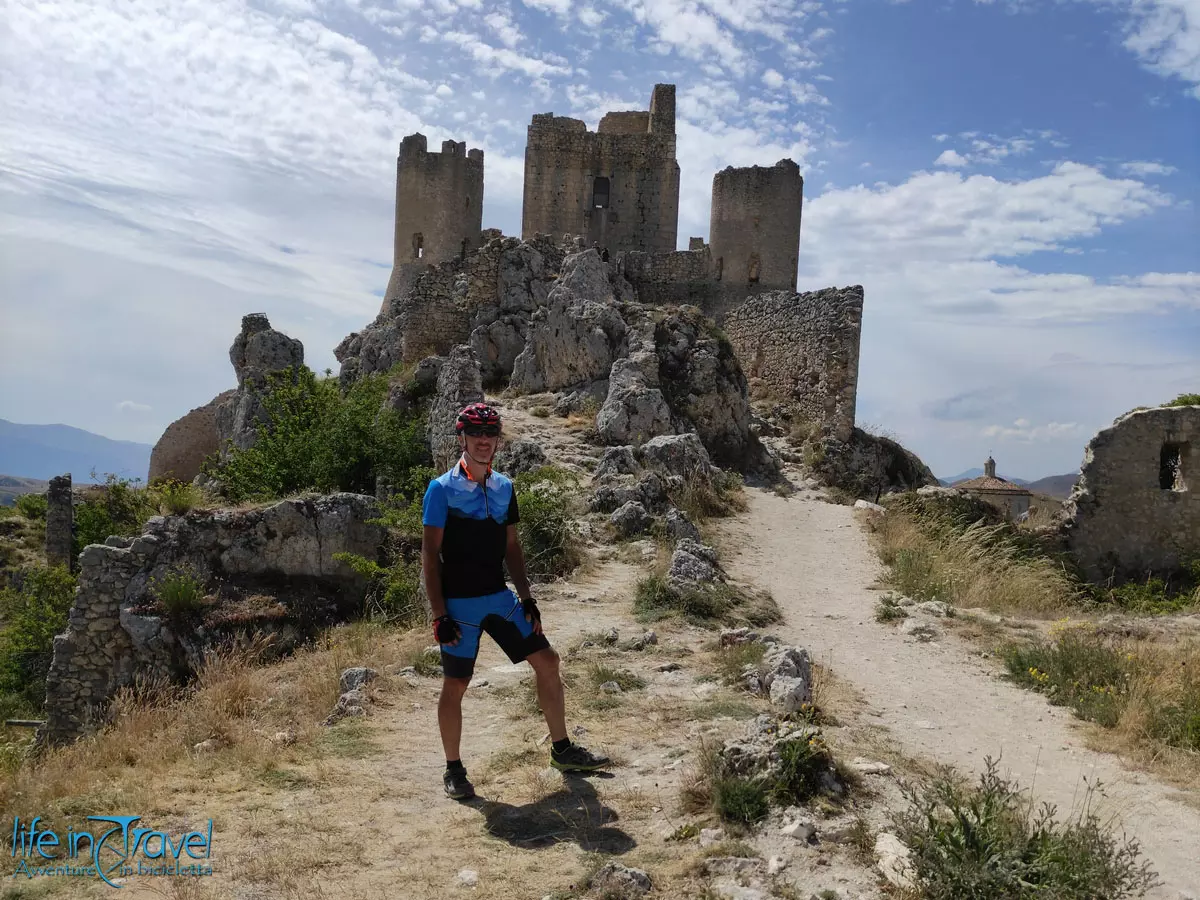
573,813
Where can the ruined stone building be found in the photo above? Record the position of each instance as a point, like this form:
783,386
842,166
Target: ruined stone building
1136,508
1007,496
615,189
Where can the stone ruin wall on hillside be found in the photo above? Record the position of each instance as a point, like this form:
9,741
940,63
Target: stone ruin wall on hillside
805,348
1136,506
112,641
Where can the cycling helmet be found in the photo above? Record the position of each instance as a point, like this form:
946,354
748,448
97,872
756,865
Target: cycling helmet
478,416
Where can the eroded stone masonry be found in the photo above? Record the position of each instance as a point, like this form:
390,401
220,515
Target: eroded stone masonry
615,190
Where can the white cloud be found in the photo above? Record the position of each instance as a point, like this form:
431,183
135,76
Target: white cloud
1165,36
132,406
1024,430
773,79
950,158
1147,168
504,28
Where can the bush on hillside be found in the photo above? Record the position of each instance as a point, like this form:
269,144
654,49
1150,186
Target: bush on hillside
32,616
315,437
987,841
117,507
32,506
546,498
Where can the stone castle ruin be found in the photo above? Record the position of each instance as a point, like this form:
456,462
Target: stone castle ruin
615,191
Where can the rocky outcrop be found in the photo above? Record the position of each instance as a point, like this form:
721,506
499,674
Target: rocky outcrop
870,466
578,335
459,383
635,408
518,457
269,570
484,300
706,390
258,352
188,441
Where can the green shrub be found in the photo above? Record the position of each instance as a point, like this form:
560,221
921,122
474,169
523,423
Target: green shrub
986,842
1079,669
545,498
32,506
180,592
120,507
1155,594
176,497
393,591
741,800
32,617
316,438
1185,400
628,681
804,769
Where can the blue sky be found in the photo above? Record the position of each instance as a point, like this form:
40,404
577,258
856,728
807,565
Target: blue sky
1015,185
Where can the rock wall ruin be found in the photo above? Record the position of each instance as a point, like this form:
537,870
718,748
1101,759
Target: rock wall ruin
618,186
1136,506
114,637
805,347
60,522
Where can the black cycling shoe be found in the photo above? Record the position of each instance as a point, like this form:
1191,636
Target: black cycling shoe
457,786
577,759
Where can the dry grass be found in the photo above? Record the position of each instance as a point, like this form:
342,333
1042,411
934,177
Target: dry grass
235,703
970,569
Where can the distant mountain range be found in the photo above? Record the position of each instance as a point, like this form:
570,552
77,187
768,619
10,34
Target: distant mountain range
1052,485
43,451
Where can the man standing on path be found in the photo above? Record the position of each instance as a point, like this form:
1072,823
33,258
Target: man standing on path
470,516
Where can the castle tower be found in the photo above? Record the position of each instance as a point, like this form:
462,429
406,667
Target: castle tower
439,208
754,231
618,186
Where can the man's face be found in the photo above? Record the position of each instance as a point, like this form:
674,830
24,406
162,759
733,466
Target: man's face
479,444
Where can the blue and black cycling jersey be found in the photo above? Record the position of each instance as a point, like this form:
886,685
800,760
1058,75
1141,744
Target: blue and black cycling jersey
475,519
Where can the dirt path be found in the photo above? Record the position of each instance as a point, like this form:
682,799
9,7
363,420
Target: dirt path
932,698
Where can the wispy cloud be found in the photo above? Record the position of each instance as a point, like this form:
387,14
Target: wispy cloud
1145,169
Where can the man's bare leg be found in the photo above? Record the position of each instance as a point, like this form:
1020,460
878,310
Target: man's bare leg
550,691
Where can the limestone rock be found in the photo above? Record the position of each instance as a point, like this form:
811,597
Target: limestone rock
677,454
631,519
187,442
692,564
459,384
793,666
614,879
497,345
257,352
893,860
635,409
616,461
867,504
518,457
869,465
354,678
577,335
679,526
939,608
790,694
922,631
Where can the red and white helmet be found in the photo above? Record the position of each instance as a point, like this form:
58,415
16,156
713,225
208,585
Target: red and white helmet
479,418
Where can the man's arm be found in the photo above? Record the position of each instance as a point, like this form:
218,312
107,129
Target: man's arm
431,548
514,558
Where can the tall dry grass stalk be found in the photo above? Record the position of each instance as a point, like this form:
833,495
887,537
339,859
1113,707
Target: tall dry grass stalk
971,568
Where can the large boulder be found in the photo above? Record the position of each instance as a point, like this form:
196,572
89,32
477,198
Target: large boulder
459,384
518,457
497,344
706,390
635,409
258,352
870,466
578,335
677,454
187,442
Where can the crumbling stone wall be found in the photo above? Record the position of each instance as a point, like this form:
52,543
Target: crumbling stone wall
60,522
439,207
112,639
676,278
805,348
754,228
617,186
1136,506
187,442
